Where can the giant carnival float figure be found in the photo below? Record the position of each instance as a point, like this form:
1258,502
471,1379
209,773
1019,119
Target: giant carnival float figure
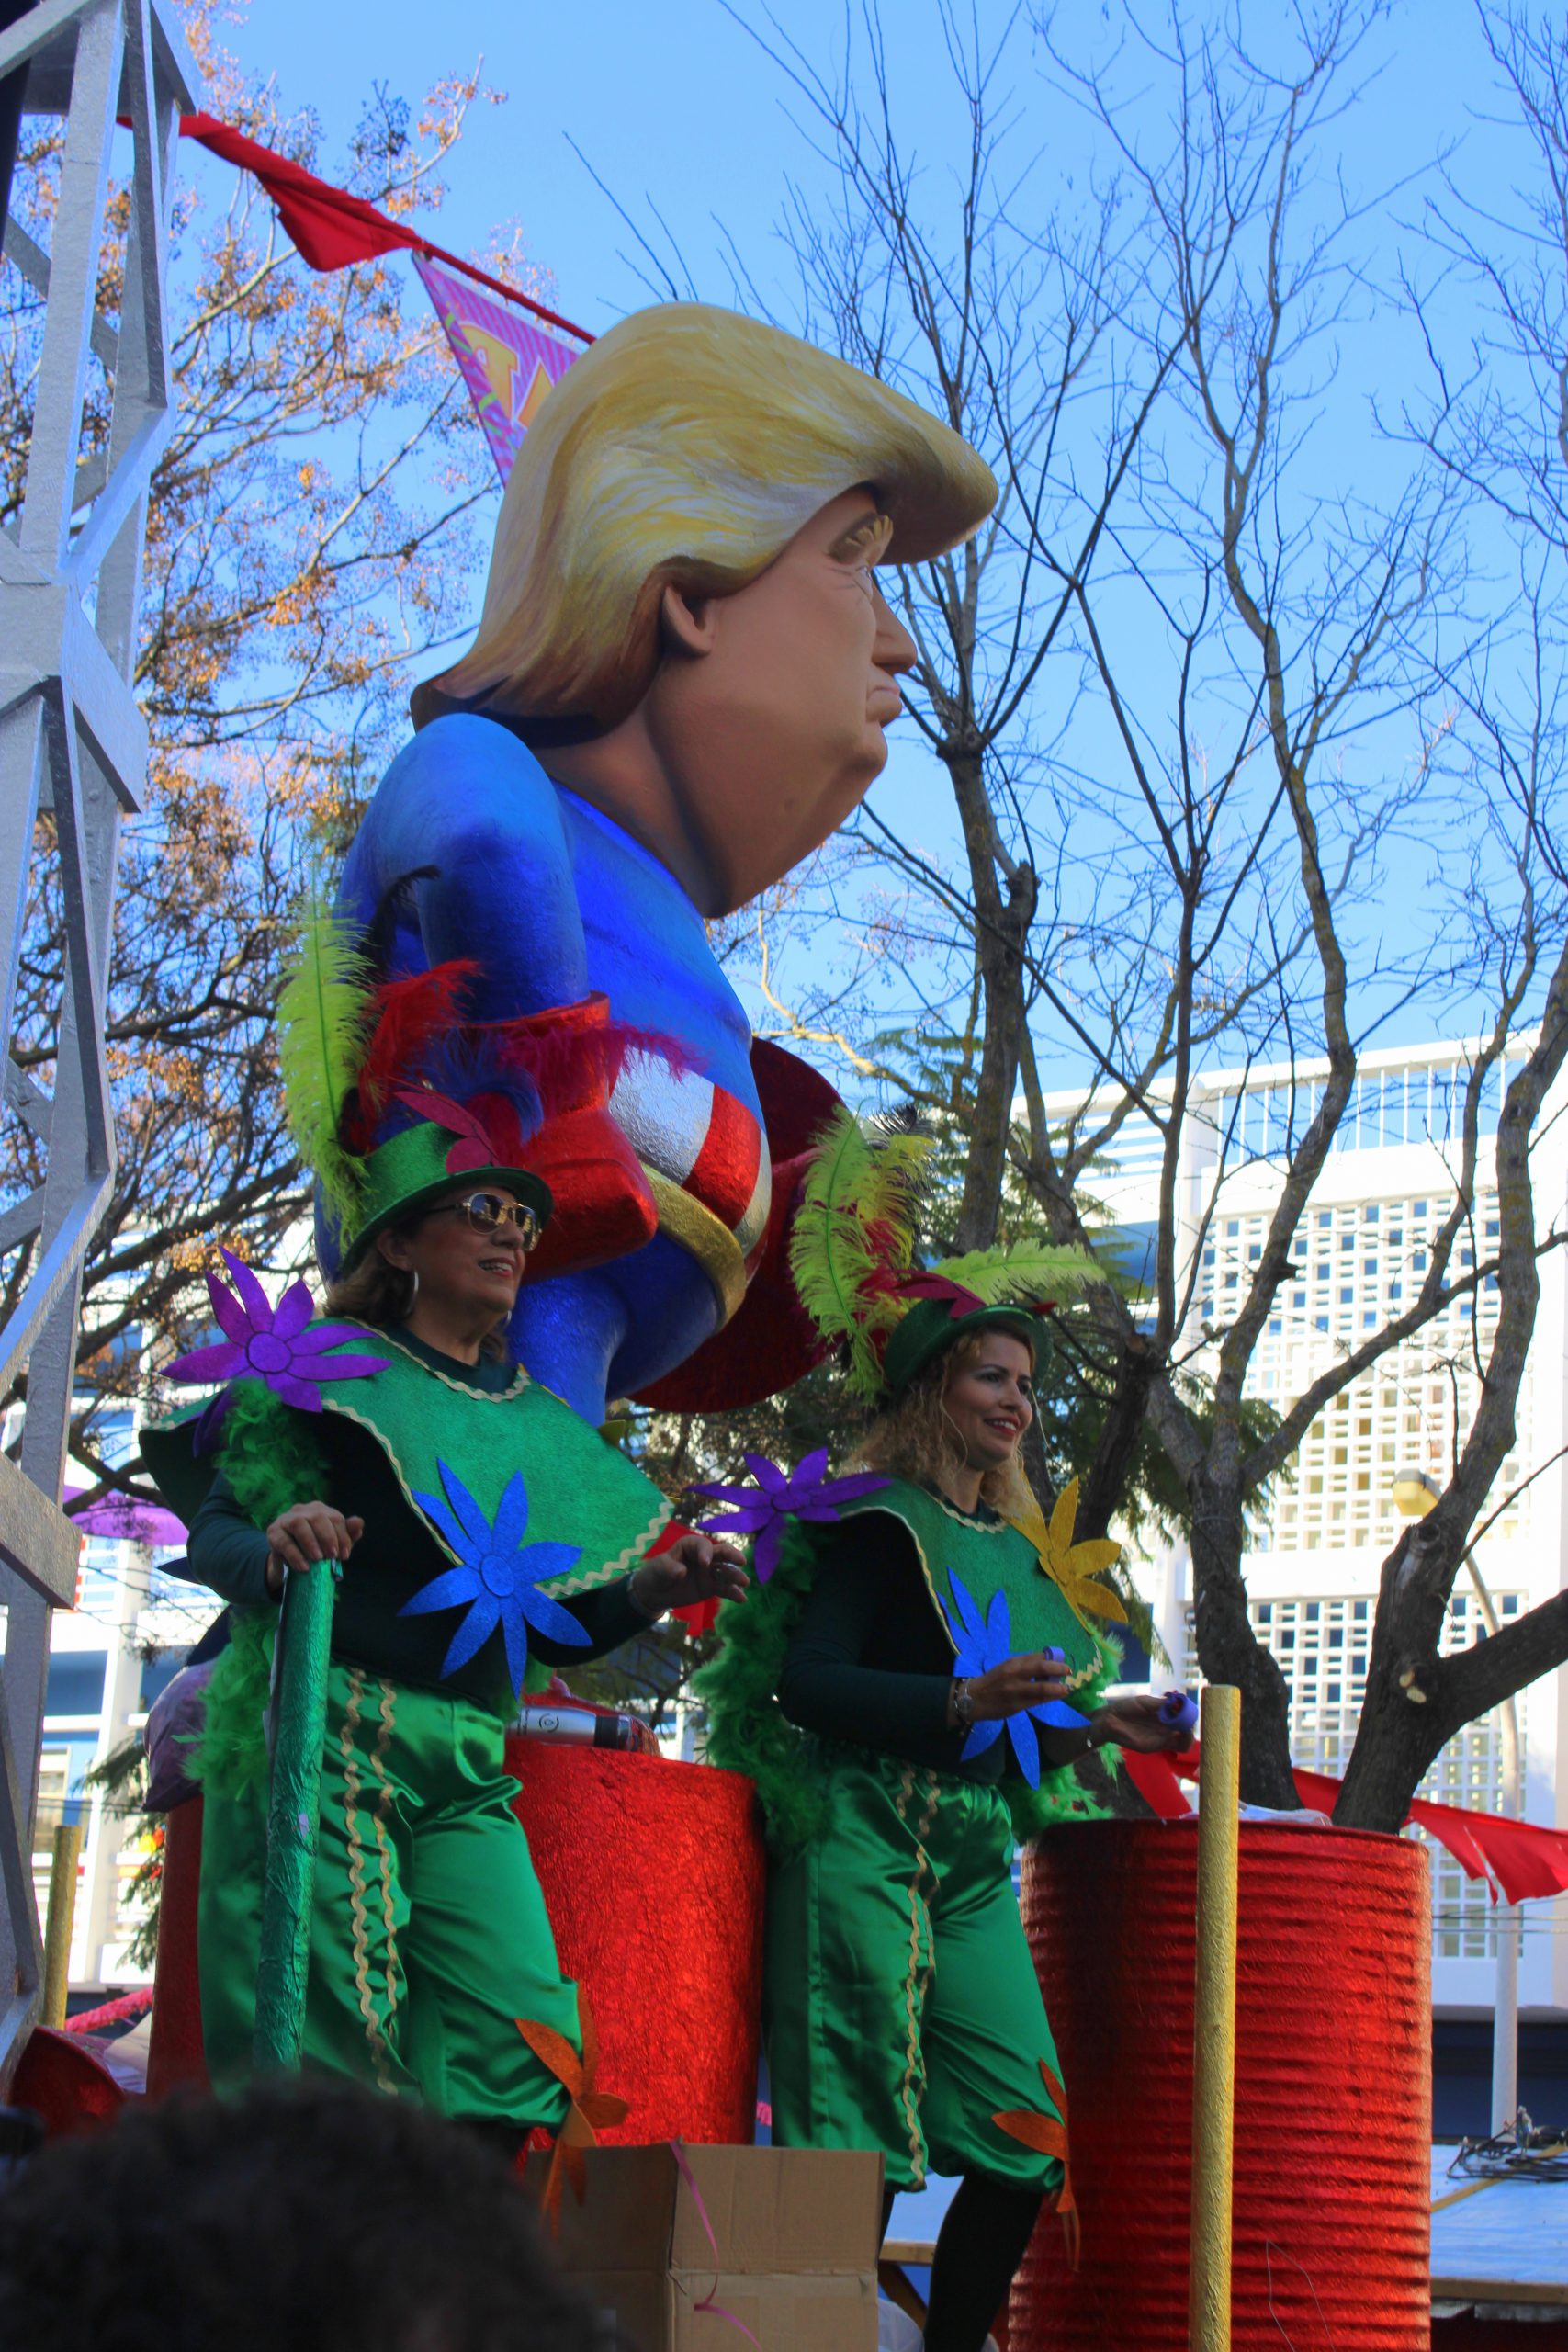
678,690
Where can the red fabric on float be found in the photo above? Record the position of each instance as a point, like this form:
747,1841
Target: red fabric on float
1518,1859
1333,2088
653,1874
174,2050
65,2082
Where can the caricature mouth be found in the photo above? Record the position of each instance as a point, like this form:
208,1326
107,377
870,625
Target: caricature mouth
884,702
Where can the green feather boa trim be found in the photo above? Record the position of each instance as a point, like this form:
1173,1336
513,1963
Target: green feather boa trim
747,1729
748,1732
272,1458
231,1756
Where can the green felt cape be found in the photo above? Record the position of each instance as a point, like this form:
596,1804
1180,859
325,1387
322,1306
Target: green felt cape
582,1492
988,1557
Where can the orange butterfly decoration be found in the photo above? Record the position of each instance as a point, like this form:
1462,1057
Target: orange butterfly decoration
1048,2135
590,2107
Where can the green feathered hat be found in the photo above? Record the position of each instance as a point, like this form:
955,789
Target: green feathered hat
391,1097
853,1257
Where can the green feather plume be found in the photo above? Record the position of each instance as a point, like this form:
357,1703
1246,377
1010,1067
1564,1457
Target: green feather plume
324,1021
857,1221
1028,1270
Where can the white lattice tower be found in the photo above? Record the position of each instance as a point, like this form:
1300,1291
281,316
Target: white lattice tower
72,744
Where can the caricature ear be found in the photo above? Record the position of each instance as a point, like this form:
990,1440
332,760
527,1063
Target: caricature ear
686,622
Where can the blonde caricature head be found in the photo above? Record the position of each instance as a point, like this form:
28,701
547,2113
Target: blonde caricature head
688,446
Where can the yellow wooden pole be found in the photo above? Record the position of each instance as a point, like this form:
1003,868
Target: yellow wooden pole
1213,2025
60,1920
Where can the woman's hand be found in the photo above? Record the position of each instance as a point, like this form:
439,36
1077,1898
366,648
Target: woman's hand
1135,1724
1018,1682
305,1534
693,1567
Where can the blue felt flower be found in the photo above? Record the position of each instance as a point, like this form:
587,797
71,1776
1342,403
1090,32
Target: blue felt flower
499,1576
981,1643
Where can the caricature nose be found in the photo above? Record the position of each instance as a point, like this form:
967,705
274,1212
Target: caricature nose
895,648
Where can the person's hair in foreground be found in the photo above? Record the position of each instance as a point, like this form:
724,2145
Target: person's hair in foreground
294,2217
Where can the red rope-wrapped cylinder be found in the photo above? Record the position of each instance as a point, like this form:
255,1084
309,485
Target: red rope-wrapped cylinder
1332,2090
653,1875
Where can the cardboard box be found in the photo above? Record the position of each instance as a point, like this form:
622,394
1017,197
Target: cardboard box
792,2255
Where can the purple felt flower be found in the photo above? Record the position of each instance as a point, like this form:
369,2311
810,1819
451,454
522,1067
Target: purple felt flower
272,1345
780,1495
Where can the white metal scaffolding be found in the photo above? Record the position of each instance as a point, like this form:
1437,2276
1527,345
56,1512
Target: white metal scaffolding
72,746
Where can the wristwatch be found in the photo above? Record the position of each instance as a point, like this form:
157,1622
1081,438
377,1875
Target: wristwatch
962,1706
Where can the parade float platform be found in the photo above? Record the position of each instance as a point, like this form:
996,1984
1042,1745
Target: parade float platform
1499,2260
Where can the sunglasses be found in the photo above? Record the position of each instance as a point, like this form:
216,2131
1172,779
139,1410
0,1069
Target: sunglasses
488,1212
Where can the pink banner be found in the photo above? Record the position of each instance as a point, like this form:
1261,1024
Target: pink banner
507,363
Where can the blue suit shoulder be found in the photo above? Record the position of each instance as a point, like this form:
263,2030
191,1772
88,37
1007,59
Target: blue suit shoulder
474,749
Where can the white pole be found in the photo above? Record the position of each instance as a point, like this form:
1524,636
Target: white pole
1505,2019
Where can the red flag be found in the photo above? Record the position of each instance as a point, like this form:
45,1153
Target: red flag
330,227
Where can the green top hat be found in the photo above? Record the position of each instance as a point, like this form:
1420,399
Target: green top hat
931,1326
852,1253
413,1170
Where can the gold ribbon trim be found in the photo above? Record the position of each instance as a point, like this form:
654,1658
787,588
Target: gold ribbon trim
705,1237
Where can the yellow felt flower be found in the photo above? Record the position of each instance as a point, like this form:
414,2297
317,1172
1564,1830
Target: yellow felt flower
1073,1565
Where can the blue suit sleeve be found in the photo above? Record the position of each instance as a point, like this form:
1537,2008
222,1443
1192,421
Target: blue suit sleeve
609,1617
466,823
225,1550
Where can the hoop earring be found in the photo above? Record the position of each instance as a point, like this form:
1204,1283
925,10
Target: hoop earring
413,1288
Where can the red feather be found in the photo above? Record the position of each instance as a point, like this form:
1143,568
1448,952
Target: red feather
474,1147
409,1014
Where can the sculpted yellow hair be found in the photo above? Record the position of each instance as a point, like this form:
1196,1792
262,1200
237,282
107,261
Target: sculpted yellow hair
689,445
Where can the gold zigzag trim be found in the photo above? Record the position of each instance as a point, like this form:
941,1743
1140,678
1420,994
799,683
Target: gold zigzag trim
383,1803
350,1787
913,2067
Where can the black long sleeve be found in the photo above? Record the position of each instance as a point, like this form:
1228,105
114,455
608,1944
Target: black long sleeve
868,1663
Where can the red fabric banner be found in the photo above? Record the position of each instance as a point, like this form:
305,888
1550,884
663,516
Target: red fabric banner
1518,1859
330,227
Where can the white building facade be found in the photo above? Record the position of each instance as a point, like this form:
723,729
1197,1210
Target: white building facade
109,1656
1322,1533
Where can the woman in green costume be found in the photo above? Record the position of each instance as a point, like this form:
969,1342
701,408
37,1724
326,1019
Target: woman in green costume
908,1685
482,1533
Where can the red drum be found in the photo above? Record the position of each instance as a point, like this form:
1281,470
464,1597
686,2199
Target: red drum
1333,2093
653,1873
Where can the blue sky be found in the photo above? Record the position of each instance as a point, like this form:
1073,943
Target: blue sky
680,106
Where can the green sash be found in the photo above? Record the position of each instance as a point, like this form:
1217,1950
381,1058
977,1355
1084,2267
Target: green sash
990,1557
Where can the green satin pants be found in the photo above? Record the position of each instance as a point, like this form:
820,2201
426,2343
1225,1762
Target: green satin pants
901,2006
429,1937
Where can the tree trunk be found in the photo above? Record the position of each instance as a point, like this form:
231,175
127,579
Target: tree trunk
1105,1484
1401,1730
1001,931
1228,1649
